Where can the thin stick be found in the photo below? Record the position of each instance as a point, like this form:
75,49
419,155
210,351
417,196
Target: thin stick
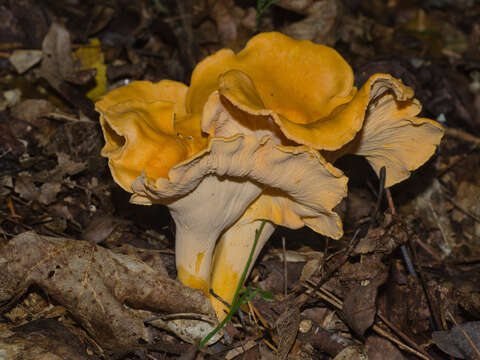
344,259
285,270
439,225
428,249
381,189
400,333
401,345
462,135
416,350
461,208
390,201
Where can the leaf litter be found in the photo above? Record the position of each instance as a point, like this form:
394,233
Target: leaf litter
71,298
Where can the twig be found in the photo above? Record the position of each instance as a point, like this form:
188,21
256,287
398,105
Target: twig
412,348
408,261
400,333
411,268
461,208
391,205
439,225
462,135
457,161
285,271
323,295
436,321
381,189
59,116
428,249
401,345
344,259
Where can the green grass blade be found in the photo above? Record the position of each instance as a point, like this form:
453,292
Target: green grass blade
236,303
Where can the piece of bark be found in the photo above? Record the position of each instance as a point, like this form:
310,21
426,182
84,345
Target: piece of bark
107,293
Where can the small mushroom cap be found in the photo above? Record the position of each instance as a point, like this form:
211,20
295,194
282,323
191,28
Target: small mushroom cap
139,119
393,136
299,84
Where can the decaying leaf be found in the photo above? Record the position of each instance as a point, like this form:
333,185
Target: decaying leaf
109,294
287,328
379,348
57,61
42,339
22,60
226,23
359,304
351,353
455,342
319,25
57,66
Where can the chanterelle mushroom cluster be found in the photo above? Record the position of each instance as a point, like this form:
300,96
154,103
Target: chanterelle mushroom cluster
255,137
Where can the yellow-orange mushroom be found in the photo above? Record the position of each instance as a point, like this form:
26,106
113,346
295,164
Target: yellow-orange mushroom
248,140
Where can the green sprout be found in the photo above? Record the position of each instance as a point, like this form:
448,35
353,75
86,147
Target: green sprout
242,296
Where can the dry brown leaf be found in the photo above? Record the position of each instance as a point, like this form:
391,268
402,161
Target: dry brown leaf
221,12
359,305
286,328
462,341
57,66
107,293
22,60
42,339
57,63
319,25
379,348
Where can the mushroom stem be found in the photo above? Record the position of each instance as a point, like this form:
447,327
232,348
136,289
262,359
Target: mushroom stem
231,255
193,256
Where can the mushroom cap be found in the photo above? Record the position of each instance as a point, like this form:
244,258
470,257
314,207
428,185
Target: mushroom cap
139,119
299,84
298,187
392,135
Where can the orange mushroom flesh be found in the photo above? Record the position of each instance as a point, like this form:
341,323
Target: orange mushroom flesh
266,110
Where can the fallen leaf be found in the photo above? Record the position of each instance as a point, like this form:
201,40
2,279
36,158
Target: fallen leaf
57,61
359,305
379,348
57,65
455,343
286,328
351,353
91,57
22,60
42,339
221,12
318,26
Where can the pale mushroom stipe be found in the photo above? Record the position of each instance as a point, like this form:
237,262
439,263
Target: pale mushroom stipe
255,137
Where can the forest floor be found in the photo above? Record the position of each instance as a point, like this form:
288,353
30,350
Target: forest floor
403,282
